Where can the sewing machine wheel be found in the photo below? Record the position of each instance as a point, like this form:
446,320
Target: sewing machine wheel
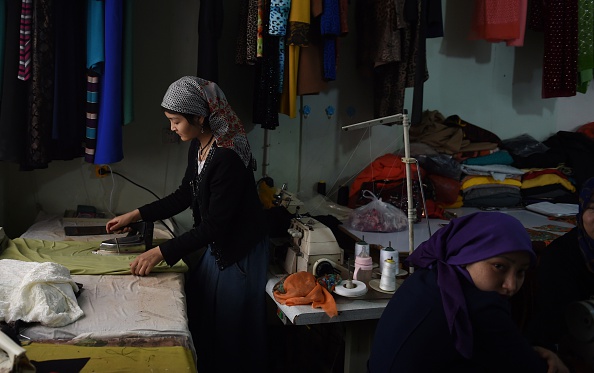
323,267
580,320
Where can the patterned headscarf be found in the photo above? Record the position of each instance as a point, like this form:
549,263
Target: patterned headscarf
468,239
196,96
585,241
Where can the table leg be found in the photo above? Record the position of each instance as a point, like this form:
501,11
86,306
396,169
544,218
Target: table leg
357,344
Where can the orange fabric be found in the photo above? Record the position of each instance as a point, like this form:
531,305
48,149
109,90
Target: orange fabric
386,167
302,288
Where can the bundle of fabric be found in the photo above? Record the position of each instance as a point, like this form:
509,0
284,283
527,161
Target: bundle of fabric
37,292
303,288
452,135
548,184
385,169
486,191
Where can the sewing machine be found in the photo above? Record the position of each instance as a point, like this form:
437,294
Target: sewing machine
287,200
579,317
313,248
138,240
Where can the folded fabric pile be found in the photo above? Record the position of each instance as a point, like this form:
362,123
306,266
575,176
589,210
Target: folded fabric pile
303,288
37,292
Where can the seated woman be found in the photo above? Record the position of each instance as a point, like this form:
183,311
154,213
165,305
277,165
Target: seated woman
453,313
565,274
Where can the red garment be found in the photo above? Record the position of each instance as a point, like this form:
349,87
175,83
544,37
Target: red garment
385,167
497,20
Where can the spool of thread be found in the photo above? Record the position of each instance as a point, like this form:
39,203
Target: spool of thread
322,187
359,288
343,195
361,247
388,279
388,253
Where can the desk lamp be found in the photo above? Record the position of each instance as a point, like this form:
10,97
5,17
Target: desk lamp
407,160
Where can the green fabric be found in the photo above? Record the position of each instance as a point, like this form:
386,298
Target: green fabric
77,256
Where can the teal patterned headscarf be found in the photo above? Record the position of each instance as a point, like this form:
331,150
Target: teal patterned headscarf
585,241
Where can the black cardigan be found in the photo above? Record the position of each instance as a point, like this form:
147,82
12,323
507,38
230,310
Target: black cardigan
227,212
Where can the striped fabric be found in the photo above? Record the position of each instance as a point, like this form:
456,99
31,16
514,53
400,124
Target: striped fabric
92,115
25,40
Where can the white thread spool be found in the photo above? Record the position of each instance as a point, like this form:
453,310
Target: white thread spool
361,246
388,253
388,279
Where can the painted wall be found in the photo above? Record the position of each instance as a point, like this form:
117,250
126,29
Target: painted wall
491,85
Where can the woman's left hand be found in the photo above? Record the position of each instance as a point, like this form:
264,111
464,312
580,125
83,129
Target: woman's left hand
555,364
145,262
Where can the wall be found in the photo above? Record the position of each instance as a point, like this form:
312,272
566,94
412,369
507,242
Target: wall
491,85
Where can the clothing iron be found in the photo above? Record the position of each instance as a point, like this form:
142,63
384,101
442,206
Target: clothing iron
138,240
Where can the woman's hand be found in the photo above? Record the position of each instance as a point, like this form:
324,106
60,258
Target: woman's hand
145,262
117,224
555,364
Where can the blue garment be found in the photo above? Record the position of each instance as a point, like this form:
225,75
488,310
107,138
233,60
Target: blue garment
109,128
227,312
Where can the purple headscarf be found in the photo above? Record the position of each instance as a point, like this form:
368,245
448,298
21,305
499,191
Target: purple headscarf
466,240
585,241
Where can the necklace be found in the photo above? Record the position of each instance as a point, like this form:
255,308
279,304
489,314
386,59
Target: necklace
203,148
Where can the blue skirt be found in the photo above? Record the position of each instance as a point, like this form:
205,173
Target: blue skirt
227,312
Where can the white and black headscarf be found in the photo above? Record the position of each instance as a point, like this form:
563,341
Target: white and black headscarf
196,96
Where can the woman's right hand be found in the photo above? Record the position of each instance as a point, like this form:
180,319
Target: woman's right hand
117,224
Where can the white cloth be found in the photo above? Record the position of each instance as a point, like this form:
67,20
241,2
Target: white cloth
37,292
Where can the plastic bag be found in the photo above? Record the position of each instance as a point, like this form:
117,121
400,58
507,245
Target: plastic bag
377,216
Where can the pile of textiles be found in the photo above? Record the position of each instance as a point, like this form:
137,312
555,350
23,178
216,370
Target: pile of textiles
467,165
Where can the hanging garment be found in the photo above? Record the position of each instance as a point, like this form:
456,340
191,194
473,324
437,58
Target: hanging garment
298,28
560,51
210,26
41,88
266,102
245,52
13,106
95,64
69,90
109,128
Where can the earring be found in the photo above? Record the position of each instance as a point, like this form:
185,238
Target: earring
202,128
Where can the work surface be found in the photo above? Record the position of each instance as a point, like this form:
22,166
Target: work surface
352,309
540,227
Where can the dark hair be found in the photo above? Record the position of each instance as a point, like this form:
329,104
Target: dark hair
189,117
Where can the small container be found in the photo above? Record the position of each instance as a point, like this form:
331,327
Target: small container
363,269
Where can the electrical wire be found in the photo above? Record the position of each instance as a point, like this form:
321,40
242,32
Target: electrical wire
112,172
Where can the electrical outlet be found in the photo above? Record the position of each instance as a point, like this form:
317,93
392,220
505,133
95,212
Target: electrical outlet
101,171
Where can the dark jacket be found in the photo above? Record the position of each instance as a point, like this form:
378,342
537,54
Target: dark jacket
412,334
227,211
563,278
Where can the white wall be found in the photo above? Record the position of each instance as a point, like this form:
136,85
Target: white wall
490,85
